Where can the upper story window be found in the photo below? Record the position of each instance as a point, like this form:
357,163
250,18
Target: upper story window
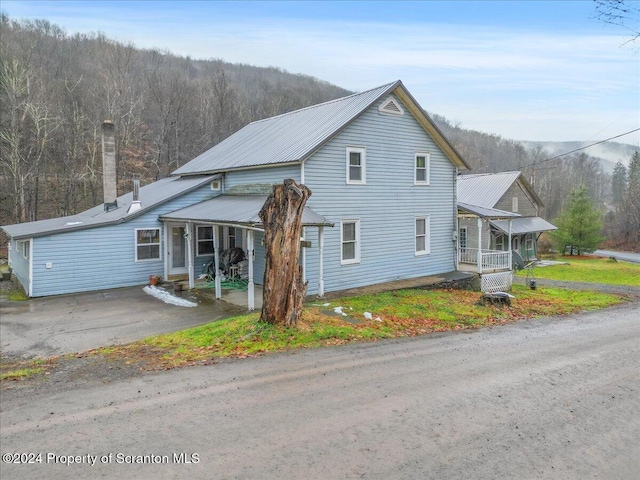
356,165
147,244
204,239
514,204
350,241
423,242
422,167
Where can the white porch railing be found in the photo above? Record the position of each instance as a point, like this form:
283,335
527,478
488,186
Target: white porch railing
490,259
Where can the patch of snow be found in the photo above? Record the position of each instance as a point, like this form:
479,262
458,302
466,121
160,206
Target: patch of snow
320,304
166,297
504,294
368,316
338,310
378,319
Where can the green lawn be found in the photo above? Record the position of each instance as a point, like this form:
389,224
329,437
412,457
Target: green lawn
591,270
394,314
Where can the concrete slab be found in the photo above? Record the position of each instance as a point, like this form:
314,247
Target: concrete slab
73,323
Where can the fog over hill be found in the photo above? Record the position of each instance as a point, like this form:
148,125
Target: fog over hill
608,153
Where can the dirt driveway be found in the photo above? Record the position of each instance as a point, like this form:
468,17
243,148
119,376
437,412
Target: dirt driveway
73,323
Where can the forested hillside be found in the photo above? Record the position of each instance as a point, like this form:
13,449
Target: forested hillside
56,89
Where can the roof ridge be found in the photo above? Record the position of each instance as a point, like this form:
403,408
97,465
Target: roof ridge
328,102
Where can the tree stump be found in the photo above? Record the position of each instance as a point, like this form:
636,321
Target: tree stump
283,289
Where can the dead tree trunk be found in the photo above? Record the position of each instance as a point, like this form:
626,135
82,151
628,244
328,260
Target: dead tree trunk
283,288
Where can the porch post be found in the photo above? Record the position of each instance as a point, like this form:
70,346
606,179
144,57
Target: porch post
479,259
251,299
190,230
321,261
216,257
509,249
304,256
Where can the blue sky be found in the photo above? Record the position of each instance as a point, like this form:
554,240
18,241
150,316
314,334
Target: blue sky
541,70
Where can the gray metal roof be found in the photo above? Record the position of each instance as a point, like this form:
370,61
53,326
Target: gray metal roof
236,210
150,196
286,138
485,212
292,137
485,189
524,225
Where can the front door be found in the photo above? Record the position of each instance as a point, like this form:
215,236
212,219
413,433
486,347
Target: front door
177,250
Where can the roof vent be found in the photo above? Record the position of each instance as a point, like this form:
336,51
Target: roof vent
135,203
391,106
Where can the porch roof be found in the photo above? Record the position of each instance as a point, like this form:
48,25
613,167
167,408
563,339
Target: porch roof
486,212
240,210
524,225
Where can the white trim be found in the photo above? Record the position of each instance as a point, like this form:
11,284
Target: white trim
30,268
190,254
466,237
363,165
356,241
302,172
321,261
216,184
426,235
385,108
135,243
427,168
25,248
514,204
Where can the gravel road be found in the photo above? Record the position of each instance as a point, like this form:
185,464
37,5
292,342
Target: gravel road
553,398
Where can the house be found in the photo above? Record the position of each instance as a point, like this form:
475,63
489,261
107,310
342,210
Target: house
498,213
383,205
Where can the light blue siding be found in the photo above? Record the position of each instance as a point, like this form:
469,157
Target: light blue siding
386,206
100,258
270,175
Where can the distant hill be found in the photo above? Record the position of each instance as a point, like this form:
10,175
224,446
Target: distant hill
608,153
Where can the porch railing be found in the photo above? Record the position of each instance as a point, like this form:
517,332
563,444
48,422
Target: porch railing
490,259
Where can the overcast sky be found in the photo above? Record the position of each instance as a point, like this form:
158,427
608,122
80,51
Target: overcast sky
523,70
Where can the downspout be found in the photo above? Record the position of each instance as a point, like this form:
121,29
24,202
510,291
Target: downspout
456,226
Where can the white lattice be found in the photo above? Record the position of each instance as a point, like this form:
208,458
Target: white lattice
496,282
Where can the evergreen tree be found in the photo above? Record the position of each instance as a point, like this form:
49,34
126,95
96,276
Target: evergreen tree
619,184
632,199
579,225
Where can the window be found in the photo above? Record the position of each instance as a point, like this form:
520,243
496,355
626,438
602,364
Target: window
216,185
422,169
528,242
356,169
350,240
147,244
231,238
514,204
423,246
23,247
500,241
204,240
463,237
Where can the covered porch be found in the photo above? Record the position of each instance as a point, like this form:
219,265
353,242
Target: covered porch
494,265
225,213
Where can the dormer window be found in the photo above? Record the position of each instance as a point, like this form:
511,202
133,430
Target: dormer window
216,185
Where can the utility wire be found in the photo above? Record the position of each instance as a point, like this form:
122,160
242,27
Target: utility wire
581,148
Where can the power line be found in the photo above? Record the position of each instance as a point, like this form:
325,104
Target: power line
581,148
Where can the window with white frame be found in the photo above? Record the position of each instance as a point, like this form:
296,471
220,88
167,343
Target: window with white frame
356,165
350,241
204,240
422,161
528,242
500,241
514,204
147,244
423,242
231,237
463,237
23,247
